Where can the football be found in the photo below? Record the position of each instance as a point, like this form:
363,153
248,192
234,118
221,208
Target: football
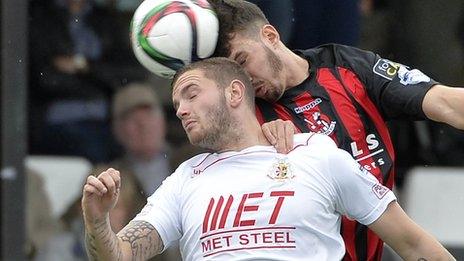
169,34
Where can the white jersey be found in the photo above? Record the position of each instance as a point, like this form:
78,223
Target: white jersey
257,204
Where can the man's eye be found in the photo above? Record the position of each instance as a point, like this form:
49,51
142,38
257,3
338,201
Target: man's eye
192,96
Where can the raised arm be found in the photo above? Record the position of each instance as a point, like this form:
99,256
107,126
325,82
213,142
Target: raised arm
445,104
137,241
409,240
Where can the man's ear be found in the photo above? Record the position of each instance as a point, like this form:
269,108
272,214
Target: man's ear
235,93
270,35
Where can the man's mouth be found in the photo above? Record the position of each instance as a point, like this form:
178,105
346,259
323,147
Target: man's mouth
188,124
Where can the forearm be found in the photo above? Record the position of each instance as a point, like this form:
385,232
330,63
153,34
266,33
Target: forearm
408,239
455,115
445,104
101,242
424,248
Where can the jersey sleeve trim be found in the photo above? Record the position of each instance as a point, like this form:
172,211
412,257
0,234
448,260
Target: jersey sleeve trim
378,210
159,228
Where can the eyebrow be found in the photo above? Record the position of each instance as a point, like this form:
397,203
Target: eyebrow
184,90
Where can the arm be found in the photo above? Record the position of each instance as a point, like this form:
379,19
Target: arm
396,90
142,239
100,241
445,104
409,240
360,196
138,240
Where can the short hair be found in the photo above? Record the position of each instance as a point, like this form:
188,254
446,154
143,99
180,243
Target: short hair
223,71
236,16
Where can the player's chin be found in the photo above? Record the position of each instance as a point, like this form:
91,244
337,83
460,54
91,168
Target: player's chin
195,138
272,96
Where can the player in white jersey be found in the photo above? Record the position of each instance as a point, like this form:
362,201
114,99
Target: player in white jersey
245,201
256,202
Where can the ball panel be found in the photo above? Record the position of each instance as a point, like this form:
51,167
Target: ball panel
207,33
152,65
172,35
168,34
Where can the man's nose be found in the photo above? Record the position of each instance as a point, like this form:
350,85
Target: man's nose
181,111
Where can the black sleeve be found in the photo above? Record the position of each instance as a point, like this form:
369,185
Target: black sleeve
396,90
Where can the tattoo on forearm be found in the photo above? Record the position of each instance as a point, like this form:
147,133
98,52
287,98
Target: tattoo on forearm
143,238
105,238
90,245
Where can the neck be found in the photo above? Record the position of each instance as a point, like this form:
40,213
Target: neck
246,133
296,68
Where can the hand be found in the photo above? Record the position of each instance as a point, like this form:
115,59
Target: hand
100,194
70,64
280,134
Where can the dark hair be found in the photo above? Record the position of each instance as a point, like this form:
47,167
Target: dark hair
223,71
236,16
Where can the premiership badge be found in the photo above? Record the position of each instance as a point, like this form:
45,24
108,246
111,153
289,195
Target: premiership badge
281,170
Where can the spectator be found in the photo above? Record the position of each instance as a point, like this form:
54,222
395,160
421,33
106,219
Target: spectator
74,56
139,126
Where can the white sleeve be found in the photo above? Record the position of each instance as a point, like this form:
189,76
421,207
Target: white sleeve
358,194
162,210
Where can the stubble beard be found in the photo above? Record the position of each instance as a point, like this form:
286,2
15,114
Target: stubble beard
275,92
221,130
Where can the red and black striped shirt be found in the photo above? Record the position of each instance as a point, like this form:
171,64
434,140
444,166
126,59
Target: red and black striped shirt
349,95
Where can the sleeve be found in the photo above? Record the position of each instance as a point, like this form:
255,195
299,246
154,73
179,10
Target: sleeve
396,90
162,210
358,194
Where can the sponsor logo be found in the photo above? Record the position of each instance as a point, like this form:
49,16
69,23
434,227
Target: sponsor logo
308,106
411,76
363,170
281,170
320,123
234,223
386,68
366,156
380,191
196,172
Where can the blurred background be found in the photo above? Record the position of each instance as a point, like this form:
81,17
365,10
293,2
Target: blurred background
74,101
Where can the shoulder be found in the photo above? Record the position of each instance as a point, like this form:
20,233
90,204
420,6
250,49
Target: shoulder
321,148
313,139
313,148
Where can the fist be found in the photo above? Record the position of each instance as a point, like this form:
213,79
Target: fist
100,194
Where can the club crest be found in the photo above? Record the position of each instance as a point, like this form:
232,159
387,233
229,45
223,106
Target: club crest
281,170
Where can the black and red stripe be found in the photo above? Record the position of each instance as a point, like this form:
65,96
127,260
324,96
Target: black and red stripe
345,101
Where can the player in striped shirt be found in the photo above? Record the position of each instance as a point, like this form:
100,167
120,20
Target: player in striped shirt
340,91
